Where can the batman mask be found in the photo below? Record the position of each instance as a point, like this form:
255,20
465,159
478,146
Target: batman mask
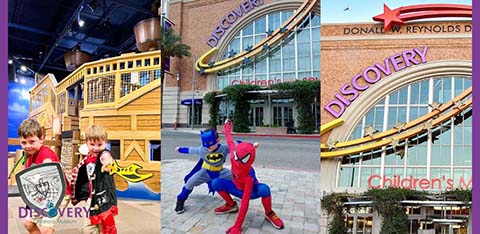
209,138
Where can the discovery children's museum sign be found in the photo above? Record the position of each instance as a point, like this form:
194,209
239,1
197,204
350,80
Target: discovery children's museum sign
268,82
230,18
371,75
417,183
70,212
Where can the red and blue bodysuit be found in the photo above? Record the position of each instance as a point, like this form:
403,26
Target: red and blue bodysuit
244,184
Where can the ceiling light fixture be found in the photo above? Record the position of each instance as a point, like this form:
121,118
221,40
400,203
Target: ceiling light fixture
80,21
10,61
23,68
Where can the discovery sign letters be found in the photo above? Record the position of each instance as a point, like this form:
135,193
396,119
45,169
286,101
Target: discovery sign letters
230,18
371,75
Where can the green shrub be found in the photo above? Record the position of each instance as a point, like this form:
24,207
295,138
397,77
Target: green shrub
240,96
303,93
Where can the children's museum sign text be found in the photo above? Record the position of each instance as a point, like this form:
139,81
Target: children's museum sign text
371,75
268,82
411,182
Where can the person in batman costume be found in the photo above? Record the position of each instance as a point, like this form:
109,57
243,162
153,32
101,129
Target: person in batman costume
212,156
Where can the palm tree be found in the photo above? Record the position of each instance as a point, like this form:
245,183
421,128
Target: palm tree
170,46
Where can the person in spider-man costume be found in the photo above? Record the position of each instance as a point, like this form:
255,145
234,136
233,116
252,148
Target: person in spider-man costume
244,184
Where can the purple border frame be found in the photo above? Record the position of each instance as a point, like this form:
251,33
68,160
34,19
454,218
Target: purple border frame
4,103
3,116
476,117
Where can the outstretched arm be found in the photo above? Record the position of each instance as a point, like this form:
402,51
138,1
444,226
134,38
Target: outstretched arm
188,150
106,159
227,130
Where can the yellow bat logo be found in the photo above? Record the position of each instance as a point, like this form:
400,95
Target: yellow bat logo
128,173
214,158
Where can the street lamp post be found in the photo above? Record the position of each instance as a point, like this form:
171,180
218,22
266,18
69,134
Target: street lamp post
162,66
193,93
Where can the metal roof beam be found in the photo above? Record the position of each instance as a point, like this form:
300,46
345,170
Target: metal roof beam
35,42
128,4
92,43
101,19
127,42
56,68
64,31
30,29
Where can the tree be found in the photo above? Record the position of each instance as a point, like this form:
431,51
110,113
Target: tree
240,95
303,93
333,204
214,103
170,46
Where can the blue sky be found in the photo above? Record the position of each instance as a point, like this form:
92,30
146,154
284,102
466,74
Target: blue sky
333,11
18,107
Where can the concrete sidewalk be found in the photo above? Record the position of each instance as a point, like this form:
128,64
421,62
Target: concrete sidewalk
197,130
295,198
135,216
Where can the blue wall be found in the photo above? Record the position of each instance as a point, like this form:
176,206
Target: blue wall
138,191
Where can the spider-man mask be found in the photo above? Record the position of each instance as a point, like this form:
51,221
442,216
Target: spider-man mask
244,156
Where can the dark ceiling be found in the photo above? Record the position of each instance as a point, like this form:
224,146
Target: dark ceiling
40,32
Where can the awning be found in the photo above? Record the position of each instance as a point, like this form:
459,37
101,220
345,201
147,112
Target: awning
436,203
449,221
188,102
414,202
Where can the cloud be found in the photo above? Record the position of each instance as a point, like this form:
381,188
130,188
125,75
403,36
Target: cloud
17,110
21,94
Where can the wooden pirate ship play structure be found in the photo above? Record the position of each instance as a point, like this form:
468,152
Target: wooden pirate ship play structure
122,94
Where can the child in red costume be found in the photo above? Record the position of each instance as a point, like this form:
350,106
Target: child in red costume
244,185
92,182
31,139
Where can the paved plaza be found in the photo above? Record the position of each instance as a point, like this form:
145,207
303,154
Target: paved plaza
295,198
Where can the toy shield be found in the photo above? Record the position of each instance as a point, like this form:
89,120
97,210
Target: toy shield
42,187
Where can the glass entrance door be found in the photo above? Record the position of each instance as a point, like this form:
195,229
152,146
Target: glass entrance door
255,117
359,220
282,115
453,229
197,118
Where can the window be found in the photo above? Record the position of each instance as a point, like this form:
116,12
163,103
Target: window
296,57
101,89
155,147
443,153
114,147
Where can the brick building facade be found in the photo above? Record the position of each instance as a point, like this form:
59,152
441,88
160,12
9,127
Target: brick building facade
243,23
388,88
